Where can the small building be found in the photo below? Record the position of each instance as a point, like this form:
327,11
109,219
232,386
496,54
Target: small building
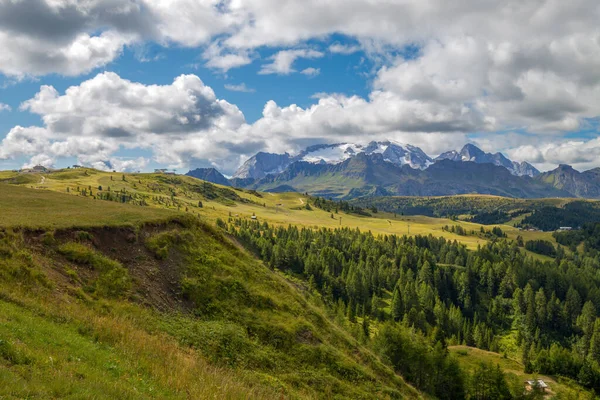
538,383
77,166
253,217
160,170
565,228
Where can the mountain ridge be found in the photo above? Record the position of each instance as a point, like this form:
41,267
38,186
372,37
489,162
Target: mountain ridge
470,152
347,171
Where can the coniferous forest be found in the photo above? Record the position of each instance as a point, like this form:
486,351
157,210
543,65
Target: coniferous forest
424,293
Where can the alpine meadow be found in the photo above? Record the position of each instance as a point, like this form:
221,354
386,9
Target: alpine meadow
253,199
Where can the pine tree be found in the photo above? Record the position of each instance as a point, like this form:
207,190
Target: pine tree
397,304
594,353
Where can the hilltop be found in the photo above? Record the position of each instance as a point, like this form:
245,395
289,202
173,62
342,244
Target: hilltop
149,192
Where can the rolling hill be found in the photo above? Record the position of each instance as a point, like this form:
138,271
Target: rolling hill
160,306
134,265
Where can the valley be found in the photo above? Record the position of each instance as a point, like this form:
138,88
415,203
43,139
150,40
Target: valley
125,244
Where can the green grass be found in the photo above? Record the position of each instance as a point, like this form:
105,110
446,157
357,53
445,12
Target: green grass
46,353
470,357
220,202
23,207
229,327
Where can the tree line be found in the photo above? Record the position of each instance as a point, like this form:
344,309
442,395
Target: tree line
440,291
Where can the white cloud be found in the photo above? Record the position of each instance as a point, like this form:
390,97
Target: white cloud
5,107
581,154
340,118
310,71
284,59
222,59
481,67
345,49
179,123
70,37
239,88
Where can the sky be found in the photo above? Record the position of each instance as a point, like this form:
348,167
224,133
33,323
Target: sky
134,85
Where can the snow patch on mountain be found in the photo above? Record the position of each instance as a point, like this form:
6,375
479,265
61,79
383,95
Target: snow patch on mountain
396,153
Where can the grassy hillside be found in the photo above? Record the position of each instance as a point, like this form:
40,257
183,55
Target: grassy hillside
470,357
22,207
184,193
163,306
136,294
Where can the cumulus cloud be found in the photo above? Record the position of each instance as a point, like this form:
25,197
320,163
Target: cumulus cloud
179,123
581,154
70,37
5,107
284,59
483,67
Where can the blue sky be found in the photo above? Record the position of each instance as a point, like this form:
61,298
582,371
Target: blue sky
526,82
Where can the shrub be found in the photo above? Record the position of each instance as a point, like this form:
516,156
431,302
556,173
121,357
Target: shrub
113,281
160,244
77,252
48,239
83,236
13,355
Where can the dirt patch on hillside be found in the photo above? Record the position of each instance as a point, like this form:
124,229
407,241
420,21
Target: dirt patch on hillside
156,282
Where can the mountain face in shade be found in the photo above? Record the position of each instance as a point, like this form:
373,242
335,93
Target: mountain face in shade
580,184
346,170
371,174
209,175
474,154
365,174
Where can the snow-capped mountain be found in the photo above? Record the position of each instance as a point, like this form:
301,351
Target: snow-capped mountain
474,154
263,164
396,153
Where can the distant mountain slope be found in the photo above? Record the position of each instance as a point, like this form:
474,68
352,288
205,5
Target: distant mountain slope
263,164
385,168
371,175
474,154
580,184
209,175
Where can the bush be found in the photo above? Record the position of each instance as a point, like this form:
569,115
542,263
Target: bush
13,355
77,253
160,244
113,281
48,239
84,236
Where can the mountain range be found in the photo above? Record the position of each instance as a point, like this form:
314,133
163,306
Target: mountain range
346,171
472,153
